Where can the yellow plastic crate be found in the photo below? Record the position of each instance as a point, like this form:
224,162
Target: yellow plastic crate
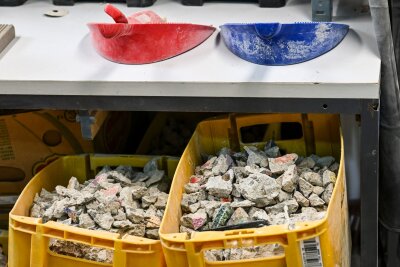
29,237
321,135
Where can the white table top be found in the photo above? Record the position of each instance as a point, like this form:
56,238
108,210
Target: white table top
54,56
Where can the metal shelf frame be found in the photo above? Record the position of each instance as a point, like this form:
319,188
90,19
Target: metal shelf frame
51,64
367,109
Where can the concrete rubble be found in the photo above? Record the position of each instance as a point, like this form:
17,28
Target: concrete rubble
123,200
81,251
234,254
234,188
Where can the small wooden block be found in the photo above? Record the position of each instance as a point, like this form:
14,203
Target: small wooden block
7,34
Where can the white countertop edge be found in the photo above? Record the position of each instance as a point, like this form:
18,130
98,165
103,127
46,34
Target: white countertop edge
179,89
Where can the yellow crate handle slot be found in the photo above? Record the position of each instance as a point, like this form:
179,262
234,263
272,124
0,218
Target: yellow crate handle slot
304,146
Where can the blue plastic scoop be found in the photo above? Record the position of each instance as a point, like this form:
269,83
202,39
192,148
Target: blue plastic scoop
282,44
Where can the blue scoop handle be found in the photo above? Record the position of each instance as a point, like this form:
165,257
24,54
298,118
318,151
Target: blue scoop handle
267,31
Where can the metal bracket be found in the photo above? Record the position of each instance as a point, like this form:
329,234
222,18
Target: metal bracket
91,121
86,121
321,10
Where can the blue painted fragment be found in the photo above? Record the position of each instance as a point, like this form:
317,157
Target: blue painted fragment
282,44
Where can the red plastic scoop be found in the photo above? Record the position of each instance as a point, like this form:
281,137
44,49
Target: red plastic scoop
144,37
146,16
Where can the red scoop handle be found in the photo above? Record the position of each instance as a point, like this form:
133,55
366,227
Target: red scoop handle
115,13
110,32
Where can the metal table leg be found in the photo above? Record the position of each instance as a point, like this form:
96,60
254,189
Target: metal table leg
369,182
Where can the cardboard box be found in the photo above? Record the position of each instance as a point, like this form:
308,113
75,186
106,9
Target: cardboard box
30,141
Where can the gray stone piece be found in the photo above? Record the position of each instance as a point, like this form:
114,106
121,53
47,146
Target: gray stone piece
152,234
303,202
104,220
315,200
328,177
125,197
257,214
66,221
325,161
148,200
151,211
135,215
229,176
334,167
155,177
120,216
92,205
235,190
138,191
239,216
59,208
290,179
160,213
281,164
85,221
208,165
242,204
119,177
256,157
194,220
260,189
121,224
318,190
222,164
327,195
278,208
73,183
210,207
46,195
278,218
283,196
305,187
219,187
192,188
307,162
240,172
127,171
194,207
189,199
161,202
36,211
137,230
313,178
153,222
273,152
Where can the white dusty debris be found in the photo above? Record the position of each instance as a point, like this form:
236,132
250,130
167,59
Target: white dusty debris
82,251
235,188
232,254
124,201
